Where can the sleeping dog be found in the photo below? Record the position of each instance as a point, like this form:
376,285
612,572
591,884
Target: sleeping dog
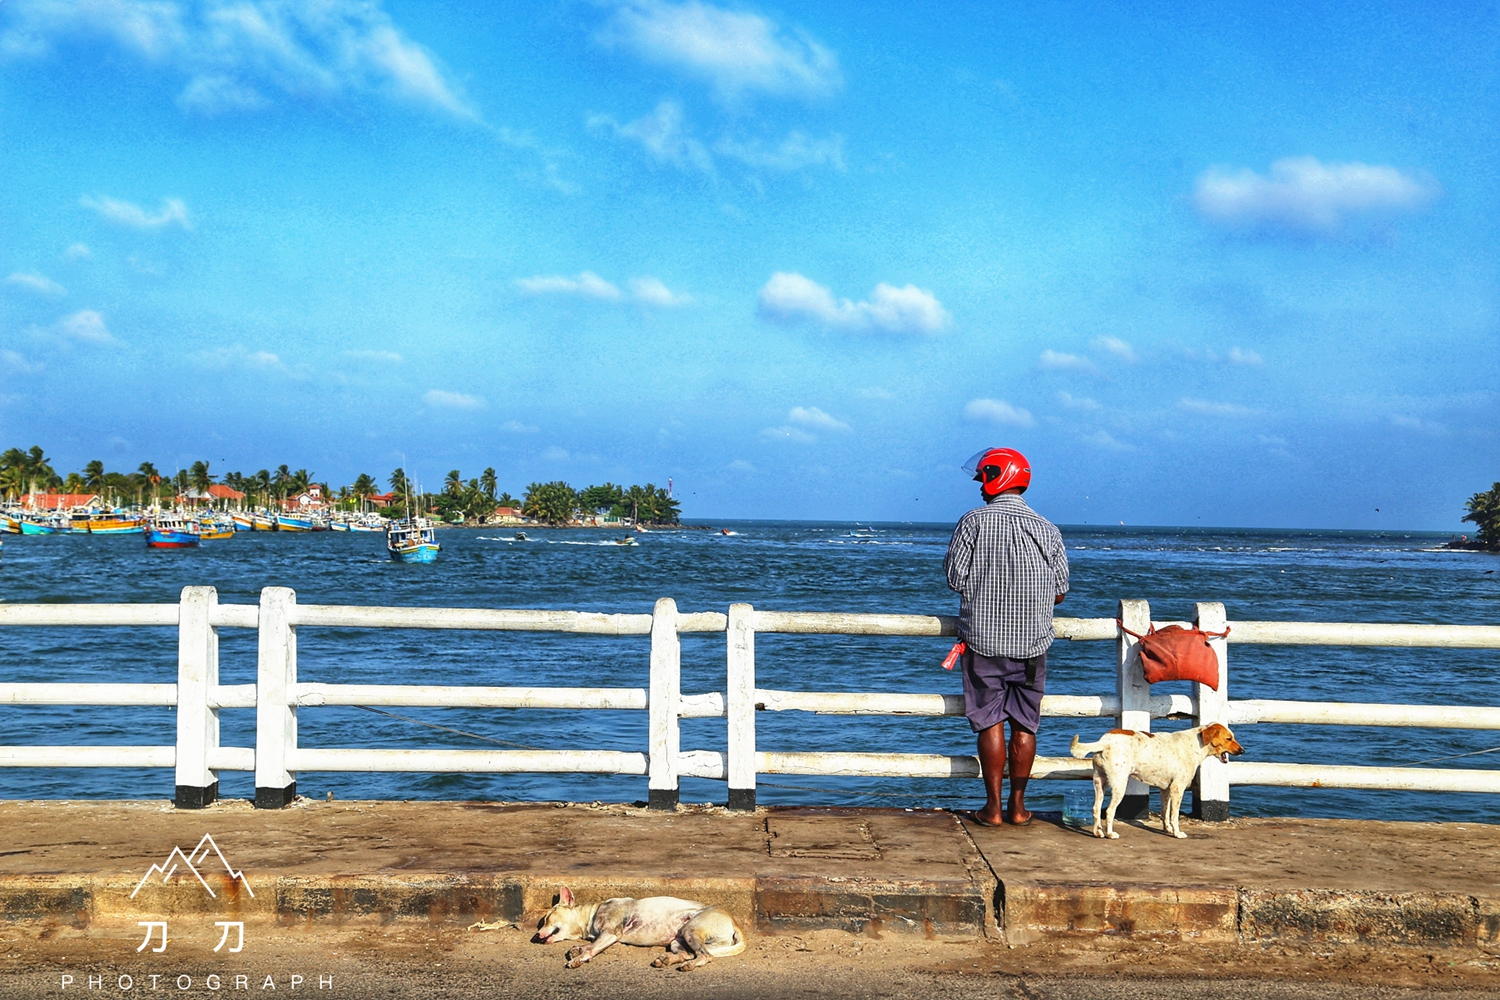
692,932
1165,760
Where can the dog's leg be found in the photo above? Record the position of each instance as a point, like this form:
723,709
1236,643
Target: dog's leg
674,956
1098,798
1174,809
577,956
1119,780
693,940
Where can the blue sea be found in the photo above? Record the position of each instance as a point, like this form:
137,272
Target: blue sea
1346,576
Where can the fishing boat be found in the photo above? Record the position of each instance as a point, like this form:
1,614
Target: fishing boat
76,522
243,521
294,522
263,522
10,524
339,524
171,531
320,521
215,529
410,540
367,522
116,523
42,524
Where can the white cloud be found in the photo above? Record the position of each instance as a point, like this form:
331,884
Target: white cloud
1073,402
788,434
789,298
651,292
78,251
263,359
1105,441
1240,356
390,357
740,465
516,427
662,135
736,52
795,152
232,55
15,362
555,454
452,400
587,284
997,411
811,416
85,326
875,392
1116,347
1305,196
1208,408
1058,361
34,282
1409,423
173,212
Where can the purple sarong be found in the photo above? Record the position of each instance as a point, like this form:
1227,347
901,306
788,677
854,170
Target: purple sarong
995,688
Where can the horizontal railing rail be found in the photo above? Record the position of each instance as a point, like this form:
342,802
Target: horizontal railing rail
278,695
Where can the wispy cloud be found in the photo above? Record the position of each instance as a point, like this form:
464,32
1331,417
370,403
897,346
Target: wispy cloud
1240,356
1105,441
1059,361
794,152
1303,196
790,298
78,251
811,416
652,292
740,465
173,212
516,427
736,52
788,433
452,400
588,285
997,411
386,357
239,56
84,327
646,291
14,361
1115,347
1073,402
663,135
35,282
1208,408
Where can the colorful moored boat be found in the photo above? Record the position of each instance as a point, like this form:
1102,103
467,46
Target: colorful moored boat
42,524
410,540
294,522
116,524
263,522
243,521
171,531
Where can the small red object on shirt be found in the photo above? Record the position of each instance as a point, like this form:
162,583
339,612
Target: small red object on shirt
958,650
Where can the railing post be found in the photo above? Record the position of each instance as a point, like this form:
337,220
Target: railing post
1211,790
666,689
197,674
1135,697
275,711
739,704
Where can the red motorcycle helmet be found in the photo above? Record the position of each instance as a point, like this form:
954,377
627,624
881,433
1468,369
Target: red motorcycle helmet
999,469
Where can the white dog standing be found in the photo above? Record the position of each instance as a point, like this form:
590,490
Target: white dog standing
692,932
1164,760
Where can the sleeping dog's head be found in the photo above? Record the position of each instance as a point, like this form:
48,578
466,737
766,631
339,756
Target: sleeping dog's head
564,922
1219,741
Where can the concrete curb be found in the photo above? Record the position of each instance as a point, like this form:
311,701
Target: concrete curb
1029,910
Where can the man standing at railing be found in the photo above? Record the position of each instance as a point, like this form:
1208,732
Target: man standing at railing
1008,564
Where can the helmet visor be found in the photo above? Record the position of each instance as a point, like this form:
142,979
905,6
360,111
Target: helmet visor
972,465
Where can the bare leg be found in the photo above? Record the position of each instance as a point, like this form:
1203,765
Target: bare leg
992,766
1022,756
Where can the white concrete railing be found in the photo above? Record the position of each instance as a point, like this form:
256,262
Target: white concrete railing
277,696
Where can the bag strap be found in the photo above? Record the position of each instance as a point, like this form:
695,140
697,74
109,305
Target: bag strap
1152,631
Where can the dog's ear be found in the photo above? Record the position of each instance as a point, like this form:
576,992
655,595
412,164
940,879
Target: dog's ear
565,897
1214,733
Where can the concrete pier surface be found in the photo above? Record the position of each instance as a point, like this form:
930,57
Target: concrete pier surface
77,886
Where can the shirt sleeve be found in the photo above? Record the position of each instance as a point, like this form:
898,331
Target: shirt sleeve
960,557
1058,557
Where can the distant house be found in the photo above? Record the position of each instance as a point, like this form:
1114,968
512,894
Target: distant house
221,492
383,499
215,491
309,499
62,501
509,515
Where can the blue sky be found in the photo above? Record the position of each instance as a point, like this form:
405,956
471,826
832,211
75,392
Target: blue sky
1224,265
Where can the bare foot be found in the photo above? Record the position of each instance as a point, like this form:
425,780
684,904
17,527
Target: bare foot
1019,817
984,818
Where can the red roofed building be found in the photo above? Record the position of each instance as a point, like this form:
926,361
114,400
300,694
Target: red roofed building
221,492
62,501
382,499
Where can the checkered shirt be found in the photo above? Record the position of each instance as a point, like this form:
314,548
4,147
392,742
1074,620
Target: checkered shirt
1007,563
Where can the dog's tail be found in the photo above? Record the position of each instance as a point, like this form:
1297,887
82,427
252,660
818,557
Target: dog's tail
737,944
1078,749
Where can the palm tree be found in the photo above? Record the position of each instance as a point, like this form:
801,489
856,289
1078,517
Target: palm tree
487,483
1484,511
363,487
199,478
280,480
93,476
454,484
551,502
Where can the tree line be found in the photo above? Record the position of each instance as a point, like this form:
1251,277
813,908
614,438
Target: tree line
31,471
1484,511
